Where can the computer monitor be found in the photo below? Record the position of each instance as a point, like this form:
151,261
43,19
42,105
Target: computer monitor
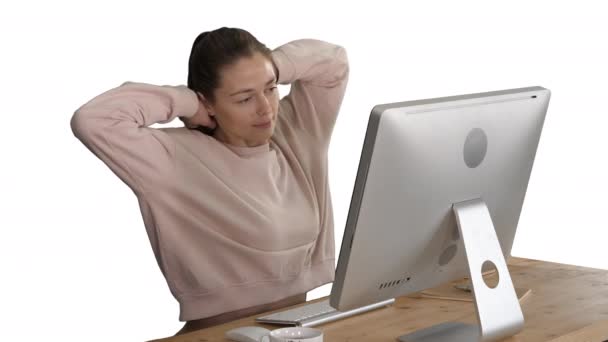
438,195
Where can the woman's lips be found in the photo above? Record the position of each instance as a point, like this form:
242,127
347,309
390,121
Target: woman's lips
264,125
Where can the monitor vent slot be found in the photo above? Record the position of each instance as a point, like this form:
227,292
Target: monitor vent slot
393,283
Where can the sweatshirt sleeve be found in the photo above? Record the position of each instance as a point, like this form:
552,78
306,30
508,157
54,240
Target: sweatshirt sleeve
114,126
318,74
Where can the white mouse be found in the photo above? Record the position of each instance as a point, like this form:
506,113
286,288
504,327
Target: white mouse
247,334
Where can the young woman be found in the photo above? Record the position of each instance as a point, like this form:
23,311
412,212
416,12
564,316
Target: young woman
236,204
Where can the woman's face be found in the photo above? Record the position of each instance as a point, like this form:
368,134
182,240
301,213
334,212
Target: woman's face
247,98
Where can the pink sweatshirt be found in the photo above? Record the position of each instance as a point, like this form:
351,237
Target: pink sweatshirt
231,227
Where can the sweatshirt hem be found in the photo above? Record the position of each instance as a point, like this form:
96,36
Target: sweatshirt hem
249,295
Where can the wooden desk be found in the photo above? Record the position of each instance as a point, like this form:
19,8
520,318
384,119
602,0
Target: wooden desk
565,300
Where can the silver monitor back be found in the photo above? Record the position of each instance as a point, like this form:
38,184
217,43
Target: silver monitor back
418,159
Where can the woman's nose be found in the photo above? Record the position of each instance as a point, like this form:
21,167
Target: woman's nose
264,107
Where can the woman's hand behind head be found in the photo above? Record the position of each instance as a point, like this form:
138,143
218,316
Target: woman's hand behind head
201,118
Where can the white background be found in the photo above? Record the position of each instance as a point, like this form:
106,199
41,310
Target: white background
75,260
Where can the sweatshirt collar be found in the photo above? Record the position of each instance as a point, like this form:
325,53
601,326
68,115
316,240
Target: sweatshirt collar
244,151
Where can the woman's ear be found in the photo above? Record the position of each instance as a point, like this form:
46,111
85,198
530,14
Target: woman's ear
206,103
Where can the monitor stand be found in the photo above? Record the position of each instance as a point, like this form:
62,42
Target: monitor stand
498,311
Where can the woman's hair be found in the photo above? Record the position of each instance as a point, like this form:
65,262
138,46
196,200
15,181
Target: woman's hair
213,50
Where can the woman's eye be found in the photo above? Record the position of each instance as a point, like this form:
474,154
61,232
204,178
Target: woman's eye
244,100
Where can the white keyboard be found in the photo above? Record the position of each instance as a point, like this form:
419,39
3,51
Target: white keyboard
316,313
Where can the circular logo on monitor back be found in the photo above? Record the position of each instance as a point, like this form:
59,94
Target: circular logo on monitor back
475,147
